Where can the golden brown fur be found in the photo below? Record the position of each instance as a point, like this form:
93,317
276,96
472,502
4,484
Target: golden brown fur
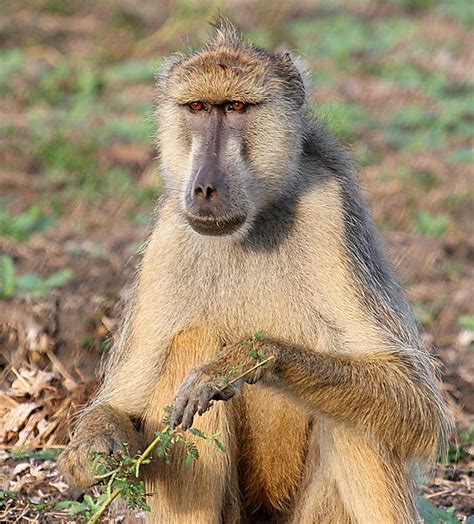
328,432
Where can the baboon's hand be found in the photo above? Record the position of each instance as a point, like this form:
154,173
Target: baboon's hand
195,395
75,462
102,430
247,361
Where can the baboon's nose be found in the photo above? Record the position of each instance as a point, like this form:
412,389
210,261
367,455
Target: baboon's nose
205,191
209,189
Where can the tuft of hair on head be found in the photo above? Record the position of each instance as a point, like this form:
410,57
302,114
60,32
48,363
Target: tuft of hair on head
230,68
225,33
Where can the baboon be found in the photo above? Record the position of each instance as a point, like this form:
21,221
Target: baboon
261,227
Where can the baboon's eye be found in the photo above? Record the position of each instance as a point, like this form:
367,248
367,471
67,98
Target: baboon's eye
198,106
237,105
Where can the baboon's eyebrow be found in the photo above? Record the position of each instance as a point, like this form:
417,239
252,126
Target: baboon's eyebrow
220,105
216,98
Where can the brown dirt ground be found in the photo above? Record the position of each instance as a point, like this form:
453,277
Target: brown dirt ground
50,348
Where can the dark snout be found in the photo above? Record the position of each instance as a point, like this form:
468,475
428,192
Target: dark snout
210,208
209,191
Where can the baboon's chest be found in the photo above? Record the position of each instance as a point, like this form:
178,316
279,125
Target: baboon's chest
259,297
238,293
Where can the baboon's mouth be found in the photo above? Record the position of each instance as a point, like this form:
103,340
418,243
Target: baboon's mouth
207,225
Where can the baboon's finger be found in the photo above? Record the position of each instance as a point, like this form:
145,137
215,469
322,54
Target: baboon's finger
188,415
179,405
207,393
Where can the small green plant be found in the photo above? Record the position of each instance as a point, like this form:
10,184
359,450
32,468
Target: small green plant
415,5
466,322
131,71
460,450
21,227
345,119
12,285
433,515
86,509
464,155
121,472
427,312
12,62
460,10
432,225
5,497
426,180
25,505
257,353
37,454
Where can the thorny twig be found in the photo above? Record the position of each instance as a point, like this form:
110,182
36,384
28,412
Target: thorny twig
143,457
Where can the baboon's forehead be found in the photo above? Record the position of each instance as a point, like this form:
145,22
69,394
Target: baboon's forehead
222,75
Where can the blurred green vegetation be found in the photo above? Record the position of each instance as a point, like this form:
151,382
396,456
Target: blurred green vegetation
13,284
21,226
77,108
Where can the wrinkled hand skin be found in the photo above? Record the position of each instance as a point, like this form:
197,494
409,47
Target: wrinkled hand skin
101,430
207,383
195,395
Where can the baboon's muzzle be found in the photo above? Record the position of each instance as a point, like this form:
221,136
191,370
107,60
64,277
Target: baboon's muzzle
215,226
208,203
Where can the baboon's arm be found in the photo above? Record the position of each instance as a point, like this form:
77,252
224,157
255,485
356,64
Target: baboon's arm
382,394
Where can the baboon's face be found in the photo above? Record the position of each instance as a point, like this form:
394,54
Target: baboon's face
229,138
215,200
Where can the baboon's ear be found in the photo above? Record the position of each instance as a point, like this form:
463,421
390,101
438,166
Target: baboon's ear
165,70
297,75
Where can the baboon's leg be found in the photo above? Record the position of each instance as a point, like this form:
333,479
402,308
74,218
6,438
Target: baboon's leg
352,481
318,501
274,430
205,492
